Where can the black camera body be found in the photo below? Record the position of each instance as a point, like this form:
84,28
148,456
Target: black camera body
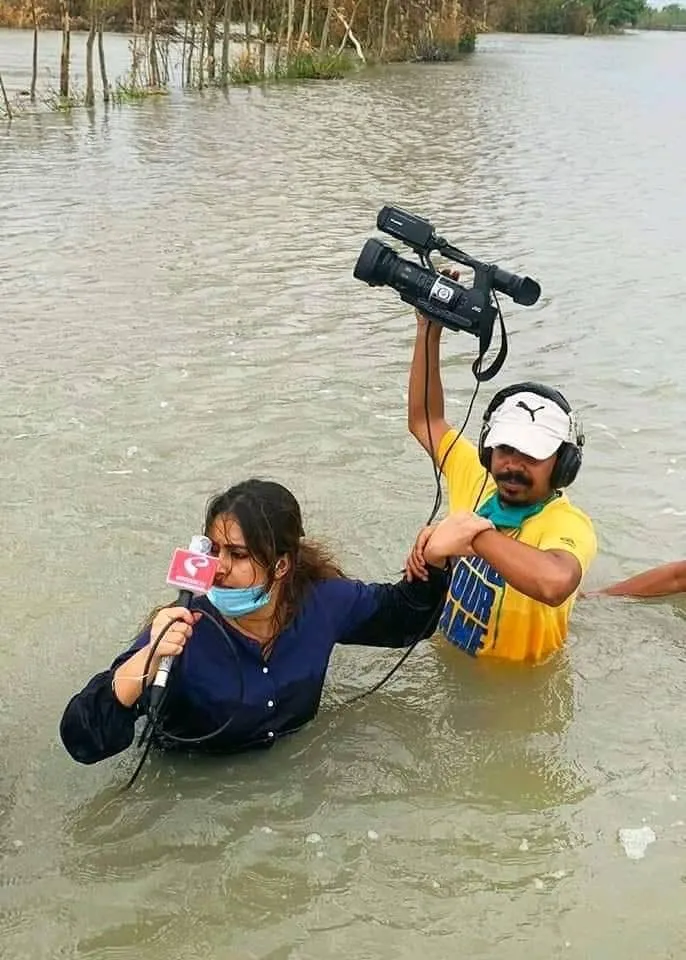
439,297
434,294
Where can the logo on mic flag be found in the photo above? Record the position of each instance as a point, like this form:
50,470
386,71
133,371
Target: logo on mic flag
192,571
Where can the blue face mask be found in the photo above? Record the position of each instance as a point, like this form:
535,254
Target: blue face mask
238,601
508,515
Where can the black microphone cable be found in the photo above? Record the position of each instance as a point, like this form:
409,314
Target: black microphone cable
155,715
437,471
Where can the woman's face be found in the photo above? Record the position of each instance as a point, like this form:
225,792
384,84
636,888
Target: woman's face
236,567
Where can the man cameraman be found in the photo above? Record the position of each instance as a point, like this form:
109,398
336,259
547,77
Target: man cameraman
513,595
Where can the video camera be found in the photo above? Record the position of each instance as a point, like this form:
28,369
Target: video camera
439,297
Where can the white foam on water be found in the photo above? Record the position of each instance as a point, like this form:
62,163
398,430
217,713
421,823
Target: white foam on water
636,841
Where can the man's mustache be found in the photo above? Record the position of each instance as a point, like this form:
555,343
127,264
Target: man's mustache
513,477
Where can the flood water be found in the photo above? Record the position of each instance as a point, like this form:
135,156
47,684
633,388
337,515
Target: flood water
178,312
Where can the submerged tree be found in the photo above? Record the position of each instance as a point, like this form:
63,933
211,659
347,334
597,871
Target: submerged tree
64,56
34,57
101,58
90,43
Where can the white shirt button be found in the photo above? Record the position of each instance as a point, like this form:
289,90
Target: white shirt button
270,703
270,734
265,669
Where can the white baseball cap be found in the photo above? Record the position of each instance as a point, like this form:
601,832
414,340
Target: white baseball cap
530,423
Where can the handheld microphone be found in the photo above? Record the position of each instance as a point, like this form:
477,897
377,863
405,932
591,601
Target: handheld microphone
193,572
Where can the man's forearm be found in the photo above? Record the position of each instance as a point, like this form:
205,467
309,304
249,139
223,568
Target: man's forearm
425,344
662,581
540,574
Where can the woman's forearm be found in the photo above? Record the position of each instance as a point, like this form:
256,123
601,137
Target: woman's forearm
129,681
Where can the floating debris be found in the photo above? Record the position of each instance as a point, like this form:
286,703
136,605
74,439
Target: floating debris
636,841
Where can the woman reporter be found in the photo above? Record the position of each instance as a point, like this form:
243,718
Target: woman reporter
284,604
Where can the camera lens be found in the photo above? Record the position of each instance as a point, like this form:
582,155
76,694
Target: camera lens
370,266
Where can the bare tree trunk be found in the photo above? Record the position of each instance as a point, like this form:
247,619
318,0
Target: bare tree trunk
189,62
134,44
152,57
103,66
163,51
4,97
248,16
203,40
278,46
90,90
211,40
188,44
64,55
34,61
349,33
304,25
325,28
261,19
291,27
226,39
384,30
184,44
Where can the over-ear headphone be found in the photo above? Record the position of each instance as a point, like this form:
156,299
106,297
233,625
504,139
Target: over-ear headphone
569,455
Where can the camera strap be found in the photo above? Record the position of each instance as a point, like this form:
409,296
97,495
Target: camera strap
485,338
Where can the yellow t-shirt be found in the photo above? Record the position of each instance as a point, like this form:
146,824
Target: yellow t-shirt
483,615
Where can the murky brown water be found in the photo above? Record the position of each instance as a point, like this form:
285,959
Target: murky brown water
178,312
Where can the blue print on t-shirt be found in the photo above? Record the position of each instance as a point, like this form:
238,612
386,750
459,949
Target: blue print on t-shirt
469,604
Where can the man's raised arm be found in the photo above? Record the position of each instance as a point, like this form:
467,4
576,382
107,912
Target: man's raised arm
426,361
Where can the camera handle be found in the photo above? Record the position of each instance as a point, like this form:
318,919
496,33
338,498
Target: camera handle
484,277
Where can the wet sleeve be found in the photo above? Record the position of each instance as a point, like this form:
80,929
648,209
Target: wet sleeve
394,615
95,725
574,533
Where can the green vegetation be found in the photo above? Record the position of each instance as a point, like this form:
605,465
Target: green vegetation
671,17
564,16
225,42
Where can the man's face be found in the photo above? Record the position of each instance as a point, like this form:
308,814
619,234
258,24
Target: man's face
521,480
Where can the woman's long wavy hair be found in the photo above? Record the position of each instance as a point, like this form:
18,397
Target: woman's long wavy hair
270,519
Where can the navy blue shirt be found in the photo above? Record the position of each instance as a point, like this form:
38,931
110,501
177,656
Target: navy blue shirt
267,697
